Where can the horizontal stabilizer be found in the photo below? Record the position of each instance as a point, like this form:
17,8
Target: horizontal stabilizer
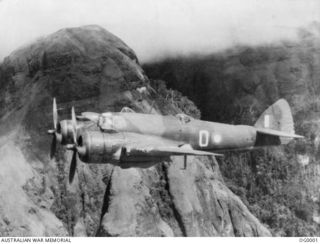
277,133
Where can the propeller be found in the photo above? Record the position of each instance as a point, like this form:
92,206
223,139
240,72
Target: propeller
73,147
73,166
53,147
54,131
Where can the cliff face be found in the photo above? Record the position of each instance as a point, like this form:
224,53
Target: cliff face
280,185
93,70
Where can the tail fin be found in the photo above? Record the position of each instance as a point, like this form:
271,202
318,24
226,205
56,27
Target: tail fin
277,121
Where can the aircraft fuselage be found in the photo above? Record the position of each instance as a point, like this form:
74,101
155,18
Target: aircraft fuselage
201,135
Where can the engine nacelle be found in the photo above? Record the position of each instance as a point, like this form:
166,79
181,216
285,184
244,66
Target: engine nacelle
99,147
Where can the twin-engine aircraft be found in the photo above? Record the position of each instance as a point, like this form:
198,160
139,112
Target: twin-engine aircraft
129,139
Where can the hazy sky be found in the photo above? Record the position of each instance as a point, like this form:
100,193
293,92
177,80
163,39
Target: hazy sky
156,27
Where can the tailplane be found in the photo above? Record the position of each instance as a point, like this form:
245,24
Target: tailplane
276,121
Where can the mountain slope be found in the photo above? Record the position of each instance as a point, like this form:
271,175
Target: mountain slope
93,70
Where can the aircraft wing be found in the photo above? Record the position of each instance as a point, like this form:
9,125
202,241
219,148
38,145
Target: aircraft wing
167,151
277,133
149,145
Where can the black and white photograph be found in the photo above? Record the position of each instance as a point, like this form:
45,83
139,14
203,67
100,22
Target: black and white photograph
159,118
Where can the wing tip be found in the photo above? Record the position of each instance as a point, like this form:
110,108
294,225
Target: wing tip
298,136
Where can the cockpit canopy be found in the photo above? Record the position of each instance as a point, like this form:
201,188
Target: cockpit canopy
111,122
127,110
106,122
184,119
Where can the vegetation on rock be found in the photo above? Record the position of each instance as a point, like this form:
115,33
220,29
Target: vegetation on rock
279,185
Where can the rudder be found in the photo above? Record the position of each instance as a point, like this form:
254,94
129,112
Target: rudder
277,117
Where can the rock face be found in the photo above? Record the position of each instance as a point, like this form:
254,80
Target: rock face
279,185
93,70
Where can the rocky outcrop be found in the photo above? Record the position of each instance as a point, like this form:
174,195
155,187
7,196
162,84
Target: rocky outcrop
169,201
280,185
93,70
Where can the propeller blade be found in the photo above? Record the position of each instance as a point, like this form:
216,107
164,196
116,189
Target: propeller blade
56,135
73,166
74,125
53,147
55,114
